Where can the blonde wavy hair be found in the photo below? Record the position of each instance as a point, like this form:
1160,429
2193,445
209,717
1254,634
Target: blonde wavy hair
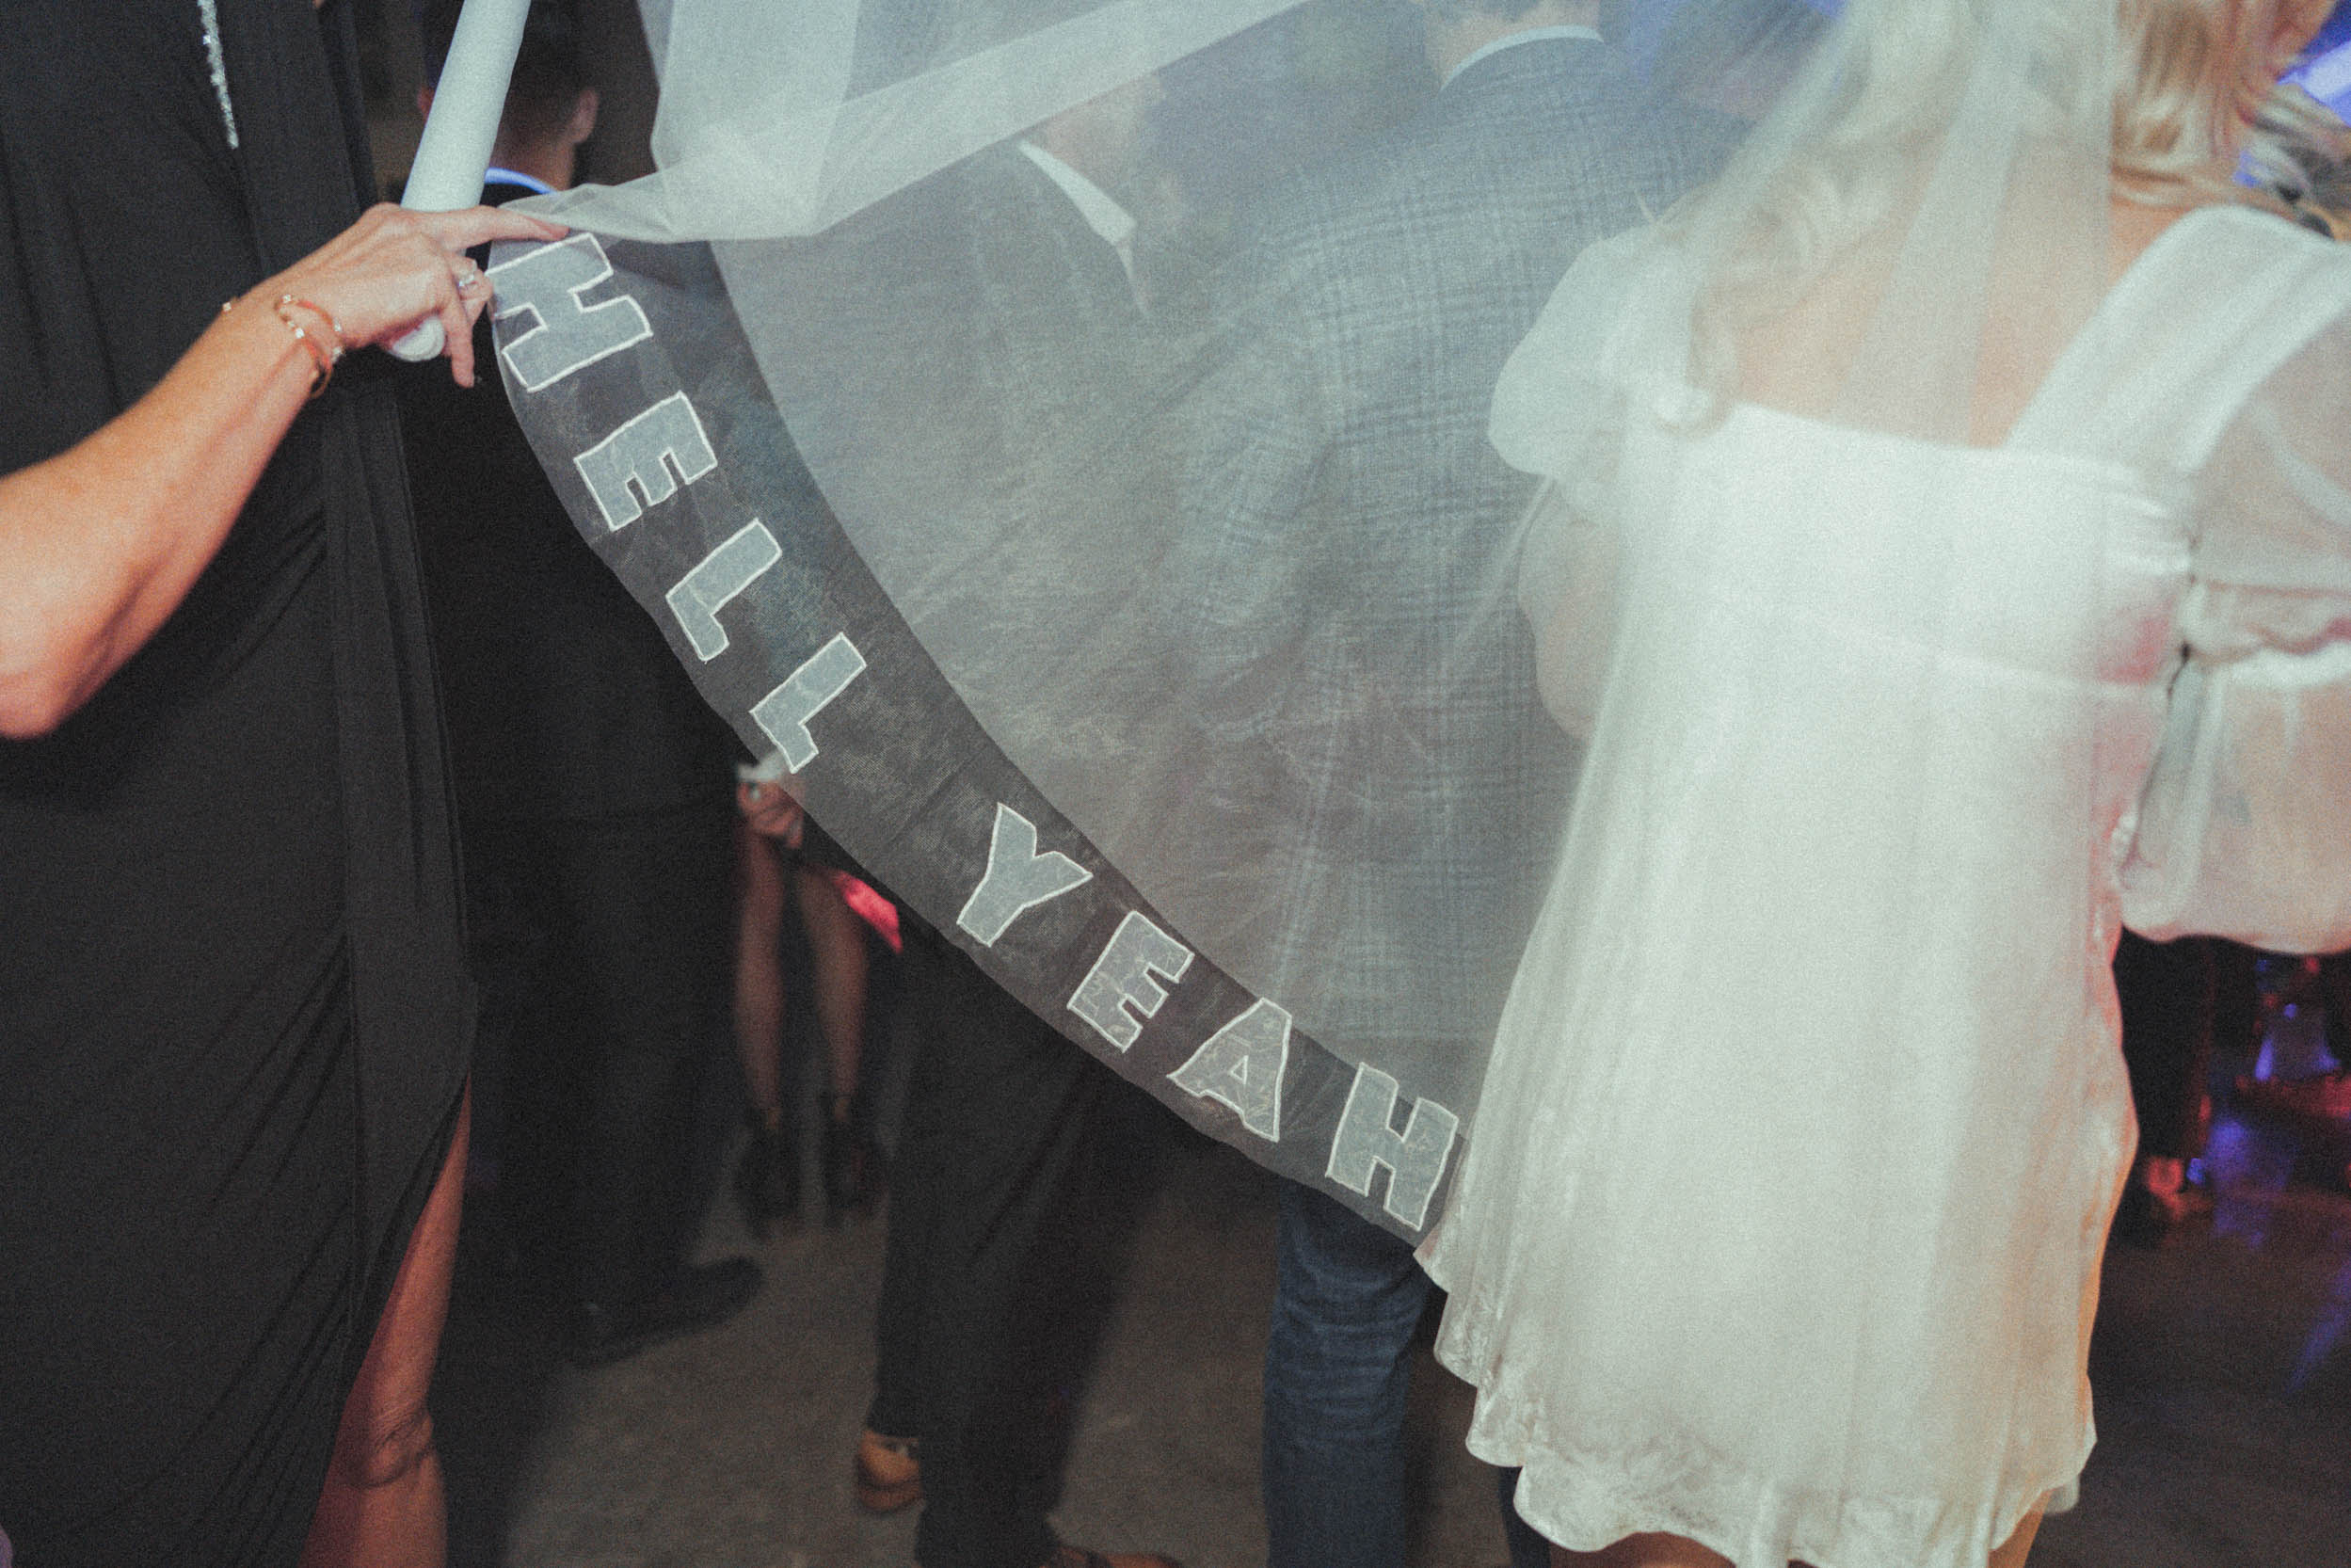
2193,89
2186,90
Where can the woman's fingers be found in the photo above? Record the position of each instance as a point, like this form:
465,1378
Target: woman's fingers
393,268
472,226
457,326
455,233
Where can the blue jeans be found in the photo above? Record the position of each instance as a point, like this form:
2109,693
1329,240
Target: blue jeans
1338,1381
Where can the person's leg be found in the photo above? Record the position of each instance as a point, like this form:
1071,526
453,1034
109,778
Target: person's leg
2167,991
1009,1104
837,956
524,1093
767,1182
1642,1551
1527,1549
2013,1551
759,974
1673,1551
1337,1380
382,1505
648,926
887,1467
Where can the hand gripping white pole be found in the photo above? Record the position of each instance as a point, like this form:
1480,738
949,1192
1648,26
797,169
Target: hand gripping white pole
453,157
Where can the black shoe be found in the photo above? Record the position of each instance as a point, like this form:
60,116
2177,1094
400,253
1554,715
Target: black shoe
767,1179
856,1170
698,1297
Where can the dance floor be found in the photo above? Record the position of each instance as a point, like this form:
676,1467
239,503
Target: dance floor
2222,1375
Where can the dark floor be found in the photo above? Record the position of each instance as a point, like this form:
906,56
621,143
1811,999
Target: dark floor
2222,1380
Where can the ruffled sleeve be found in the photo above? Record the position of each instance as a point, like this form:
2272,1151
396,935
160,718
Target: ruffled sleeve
1560,413
2243,829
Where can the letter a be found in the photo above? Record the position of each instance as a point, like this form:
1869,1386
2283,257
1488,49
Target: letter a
1241,1066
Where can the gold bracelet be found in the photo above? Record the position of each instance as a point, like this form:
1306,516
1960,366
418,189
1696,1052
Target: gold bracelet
324,356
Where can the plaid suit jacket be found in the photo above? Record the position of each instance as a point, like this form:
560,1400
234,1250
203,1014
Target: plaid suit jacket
1339,462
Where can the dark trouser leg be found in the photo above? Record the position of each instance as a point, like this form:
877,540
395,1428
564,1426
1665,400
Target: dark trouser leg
634,1019
919,1188
997,1116
652,924
2167,991
524,1099
1337,1380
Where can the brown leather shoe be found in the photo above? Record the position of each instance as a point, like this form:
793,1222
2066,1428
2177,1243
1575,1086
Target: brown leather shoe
889,1472
1078,1557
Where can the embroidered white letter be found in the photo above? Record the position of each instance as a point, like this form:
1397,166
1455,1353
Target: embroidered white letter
1018,878
669,434
723,574
1123,977
548,281
1241,1065
783,712
1415,1158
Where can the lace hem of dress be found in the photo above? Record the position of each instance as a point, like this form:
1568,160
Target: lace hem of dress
1585,1498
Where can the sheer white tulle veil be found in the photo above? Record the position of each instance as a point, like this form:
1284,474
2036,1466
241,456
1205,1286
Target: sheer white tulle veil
1263,797
1058,431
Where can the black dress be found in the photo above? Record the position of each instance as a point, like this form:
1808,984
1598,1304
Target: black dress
232,1019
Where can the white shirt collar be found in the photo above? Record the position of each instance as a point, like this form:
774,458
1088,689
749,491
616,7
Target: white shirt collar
1102,213
1532,34
532,182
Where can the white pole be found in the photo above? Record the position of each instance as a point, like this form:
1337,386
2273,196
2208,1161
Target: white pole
453,157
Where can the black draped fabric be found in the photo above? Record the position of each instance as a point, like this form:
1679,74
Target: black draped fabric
564,702
232,1018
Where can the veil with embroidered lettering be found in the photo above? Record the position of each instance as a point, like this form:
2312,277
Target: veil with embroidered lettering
1056,428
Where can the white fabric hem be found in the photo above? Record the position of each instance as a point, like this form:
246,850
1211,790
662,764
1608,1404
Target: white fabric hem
1586,1502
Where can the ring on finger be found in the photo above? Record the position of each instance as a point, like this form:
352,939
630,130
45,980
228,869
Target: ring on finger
469,279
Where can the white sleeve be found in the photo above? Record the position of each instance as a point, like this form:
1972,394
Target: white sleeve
1559,412
2245,827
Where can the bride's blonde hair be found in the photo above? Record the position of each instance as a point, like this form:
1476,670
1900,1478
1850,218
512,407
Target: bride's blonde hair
2193,88
2186,89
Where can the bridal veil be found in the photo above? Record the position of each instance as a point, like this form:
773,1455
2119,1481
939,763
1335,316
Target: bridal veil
911,472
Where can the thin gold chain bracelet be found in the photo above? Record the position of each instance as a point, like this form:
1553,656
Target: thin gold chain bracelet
324,352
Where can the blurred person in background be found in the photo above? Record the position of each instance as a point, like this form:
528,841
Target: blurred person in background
1041,305
786,863
594,793
1372,300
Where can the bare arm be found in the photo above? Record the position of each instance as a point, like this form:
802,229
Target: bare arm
99,544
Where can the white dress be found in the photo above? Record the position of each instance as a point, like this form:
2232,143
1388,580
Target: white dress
1781,1222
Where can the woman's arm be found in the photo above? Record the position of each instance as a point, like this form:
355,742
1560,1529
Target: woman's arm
2244,827
99,544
